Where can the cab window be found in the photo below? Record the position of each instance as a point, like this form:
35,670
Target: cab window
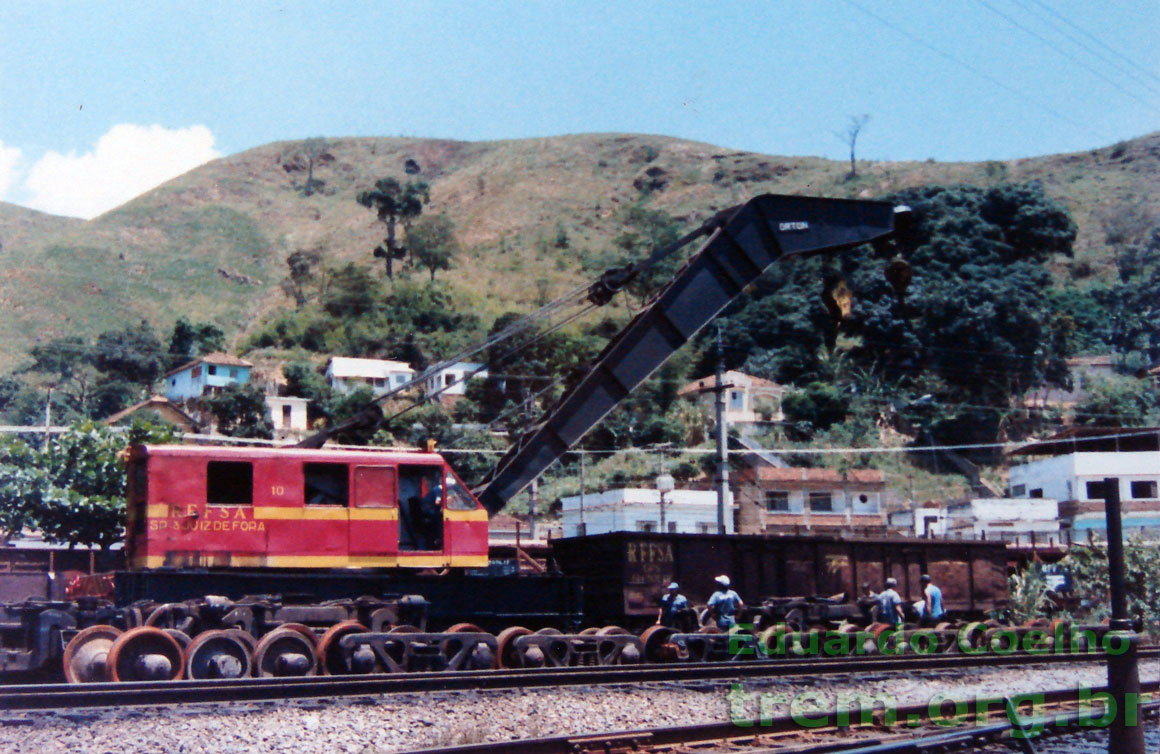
458,498
325,484
229,483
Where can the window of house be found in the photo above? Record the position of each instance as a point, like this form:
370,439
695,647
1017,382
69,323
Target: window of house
285,416
581,529
211,370
706,528
736,400
1018,490
672,527
1143,490
325,484
821,502
1037,492
229,483
1095,491
776,501
646,526
449,379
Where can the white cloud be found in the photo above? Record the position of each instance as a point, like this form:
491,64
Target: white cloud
9,160
127,161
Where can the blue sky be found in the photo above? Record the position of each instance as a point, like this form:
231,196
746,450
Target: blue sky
100,101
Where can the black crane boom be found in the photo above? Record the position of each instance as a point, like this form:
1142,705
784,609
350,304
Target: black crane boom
745,241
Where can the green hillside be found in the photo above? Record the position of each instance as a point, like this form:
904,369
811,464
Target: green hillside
534,216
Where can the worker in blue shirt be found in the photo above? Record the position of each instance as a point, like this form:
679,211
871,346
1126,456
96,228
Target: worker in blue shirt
672,604
724,604
932,608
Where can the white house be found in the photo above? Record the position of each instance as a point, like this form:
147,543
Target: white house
346,374
288,415
207,374
1019,521
747,398
639,509
452,380
1072,465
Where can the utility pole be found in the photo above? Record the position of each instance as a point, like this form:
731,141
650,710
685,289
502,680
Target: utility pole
583,528
47,418
532,510
1126,733
722,437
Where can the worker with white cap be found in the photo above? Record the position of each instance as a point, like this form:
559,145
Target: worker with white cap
671,604
724,604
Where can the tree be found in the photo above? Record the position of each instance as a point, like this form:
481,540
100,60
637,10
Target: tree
351,292
1117,401
315,149
133,354
647,230
433,243
850,138
241,411
302,264
395,203
190,340
73,491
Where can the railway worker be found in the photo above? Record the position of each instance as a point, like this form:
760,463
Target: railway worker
932,603
890,604
724,604
672,604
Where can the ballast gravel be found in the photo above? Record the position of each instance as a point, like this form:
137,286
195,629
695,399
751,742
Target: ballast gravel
391,723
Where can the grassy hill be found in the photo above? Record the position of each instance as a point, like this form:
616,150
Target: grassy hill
211,245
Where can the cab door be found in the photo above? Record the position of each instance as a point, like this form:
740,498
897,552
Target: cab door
374,517
465,525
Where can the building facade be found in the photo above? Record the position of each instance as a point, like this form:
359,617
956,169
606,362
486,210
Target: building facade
208,374
451,382
794,500
639,509
346,374
288,415
1023,521
748,399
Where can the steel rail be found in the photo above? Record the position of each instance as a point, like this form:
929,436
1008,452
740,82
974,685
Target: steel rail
76,696
738,735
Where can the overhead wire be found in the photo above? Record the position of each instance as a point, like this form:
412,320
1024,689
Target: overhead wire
967,66
1036,35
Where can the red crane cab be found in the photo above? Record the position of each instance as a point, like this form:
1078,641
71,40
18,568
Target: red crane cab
193,506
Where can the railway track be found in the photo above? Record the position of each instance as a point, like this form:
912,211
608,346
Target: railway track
94,695
967,724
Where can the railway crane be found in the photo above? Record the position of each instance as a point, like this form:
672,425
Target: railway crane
258,561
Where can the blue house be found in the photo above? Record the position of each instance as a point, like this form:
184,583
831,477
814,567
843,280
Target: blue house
207,374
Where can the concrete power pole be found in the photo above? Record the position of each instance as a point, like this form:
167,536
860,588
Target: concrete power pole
722,437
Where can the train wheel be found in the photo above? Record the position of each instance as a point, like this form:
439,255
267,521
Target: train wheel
550,632
590,631
465,628
405,628
214,655
303,629
774,641
285,652
145,654
85,657
174,615
183,639
330,654
611,631
654,640
709,629
505,656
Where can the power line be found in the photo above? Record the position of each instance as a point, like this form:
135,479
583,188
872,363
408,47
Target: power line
1096,39
967,66
1055,48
